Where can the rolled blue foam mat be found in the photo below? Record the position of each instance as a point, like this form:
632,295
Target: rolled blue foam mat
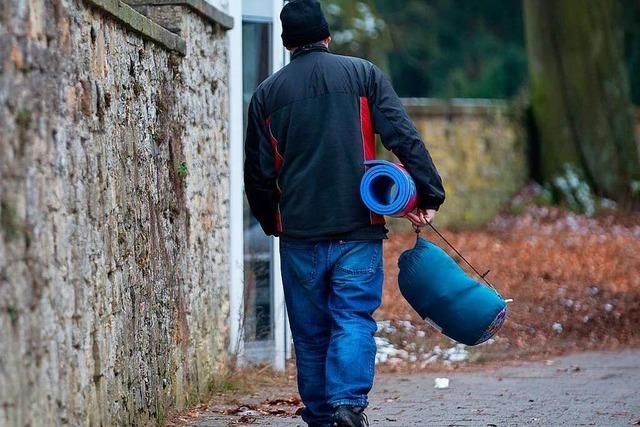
388,189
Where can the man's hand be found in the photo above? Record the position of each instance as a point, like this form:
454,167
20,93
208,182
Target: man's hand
420,217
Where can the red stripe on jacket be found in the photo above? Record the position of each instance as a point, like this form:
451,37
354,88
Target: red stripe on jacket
277,161
368,144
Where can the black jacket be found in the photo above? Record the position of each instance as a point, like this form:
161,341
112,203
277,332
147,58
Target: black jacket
310,128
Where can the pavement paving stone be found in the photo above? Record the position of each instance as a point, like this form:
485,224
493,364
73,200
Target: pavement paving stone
585,389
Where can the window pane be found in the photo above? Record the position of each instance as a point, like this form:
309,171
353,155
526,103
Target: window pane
258,271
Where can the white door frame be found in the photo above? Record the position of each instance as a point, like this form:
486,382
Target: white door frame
236,193
280,325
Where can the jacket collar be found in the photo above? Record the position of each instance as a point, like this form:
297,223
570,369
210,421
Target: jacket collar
314,47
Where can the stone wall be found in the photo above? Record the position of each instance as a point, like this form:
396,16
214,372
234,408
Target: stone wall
479,147
113,212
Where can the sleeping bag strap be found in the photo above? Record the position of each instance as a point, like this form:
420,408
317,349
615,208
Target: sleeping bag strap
482,276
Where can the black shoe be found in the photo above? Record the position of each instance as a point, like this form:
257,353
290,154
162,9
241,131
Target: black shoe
349,416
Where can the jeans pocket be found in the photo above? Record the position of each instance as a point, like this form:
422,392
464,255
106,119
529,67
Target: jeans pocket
360,256
300,259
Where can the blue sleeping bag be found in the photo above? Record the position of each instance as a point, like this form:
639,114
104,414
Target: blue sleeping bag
446,297
429,279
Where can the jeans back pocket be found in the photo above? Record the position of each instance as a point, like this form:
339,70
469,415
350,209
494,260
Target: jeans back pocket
299,259
360,256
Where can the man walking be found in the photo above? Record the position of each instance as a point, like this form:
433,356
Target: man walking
310,128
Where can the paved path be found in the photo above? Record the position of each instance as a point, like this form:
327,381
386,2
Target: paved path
588,389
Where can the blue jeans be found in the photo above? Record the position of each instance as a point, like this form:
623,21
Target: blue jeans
331,289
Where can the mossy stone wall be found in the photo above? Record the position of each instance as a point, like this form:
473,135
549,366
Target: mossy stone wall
114,215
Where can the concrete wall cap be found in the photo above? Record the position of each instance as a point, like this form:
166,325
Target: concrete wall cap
142,25
455,106
211,13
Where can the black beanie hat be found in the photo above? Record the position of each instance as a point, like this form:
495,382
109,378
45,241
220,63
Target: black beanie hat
303,23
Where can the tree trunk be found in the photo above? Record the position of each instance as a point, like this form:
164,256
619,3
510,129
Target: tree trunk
580,93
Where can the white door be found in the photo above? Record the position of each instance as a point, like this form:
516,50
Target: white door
264,331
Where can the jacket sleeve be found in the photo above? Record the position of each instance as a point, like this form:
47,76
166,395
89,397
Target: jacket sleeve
260,175
400,136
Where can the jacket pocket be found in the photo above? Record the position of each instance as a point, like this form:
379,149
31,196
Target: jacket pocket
360,256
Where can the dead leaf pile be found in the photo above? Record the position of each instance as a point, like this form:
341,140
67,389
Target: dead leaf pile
575,281
249,413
